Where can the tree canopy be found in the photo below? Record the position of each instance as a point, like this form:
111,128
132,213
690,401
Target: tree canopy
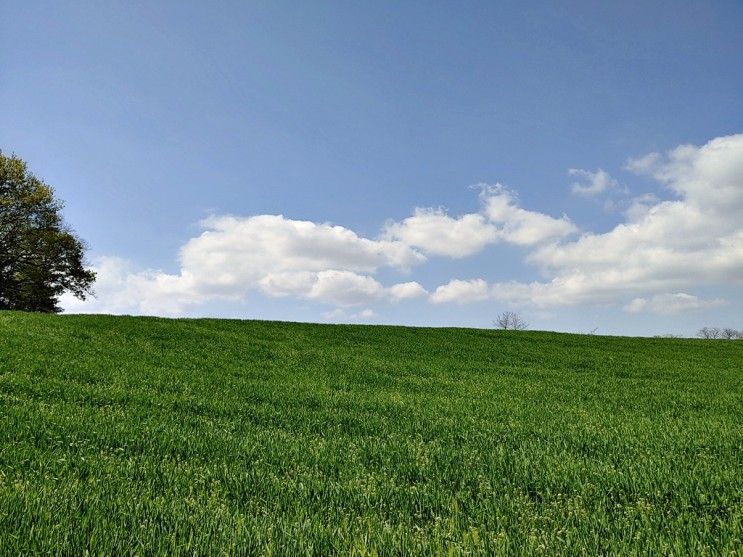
40,256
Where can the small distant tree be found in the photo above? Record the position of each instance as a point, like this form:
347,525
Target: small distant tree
40,256
709,333
509,320
727,333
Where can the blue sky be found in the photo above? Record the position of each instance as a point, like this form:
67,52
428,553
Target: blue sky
420,156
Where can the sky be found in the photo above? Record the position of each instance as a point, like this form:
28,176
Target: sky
417,163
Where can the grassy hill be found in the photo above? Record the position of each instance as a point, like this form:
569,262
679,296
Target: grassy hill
141,435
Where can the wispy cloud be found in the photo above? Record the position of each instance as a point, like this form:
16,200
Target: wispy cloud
671,303
592,183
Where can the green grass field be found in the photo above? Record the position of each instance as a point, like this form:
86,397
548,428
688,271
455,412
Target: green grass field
124,435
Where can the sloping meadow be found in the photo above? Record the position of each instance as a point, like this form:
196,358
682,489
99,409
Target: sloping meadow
123,435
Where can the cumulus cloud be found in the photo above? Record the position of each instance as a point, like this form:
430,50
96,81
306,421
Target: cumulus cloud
520,226
661,251
640,206
345,288
668,304
591,183
232,249
461,291
693,240
406,291
120,288
500,219
435,232
341,288
269,253
341,315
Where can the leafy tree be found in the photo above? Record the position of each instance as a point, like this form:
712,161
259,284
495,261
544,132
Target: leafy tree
509,320
40,256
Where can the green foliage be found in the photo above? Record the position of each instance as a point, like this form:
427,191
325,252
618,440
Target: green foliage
40,258
124,435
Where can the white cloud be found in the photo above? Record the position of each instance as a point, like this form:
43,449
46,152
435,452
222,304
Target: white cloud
641,165
519,226
461,291
342,288
406,291
694,240
709,177
120,288
668,304
433,231
591,183
637,305
500,220
278,256
345,288
341,315
232,250
289,283
640,206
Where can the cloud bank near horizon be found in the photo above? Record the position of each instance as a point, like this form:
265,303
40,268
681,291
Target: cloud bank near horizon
660,248
646,263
